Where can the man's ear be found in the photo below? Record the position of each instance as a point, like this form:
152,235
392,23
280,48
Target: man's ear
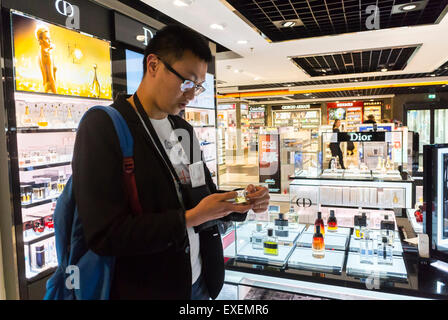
152,64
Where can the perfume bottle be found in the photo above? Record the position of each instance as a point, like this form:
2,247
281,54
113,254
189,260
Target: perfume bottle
318,245
270,243
26,118
395,199
281,226
366,249
359,225
388,229
42,121
332,223
389,165
257,237
69,122
333,164
380,163
95,88
319,222
384,252
293,217
40,256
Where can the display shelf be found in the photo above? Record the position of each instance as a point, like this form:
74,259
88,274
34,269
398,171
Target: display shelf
247,253
396,271
332,242
37,130
341,231
40,202
45,166
355,244
302,258
33,276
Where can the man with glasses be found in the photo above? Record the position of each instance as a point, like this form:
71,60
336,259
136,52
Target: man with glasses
172,250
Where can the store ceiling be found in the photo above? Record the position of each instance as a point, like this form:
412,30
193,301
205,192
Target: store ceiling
263,63
355,62
332,17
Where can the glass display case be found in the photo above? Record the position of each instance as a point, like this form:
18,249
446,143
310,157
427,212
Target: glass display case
435,194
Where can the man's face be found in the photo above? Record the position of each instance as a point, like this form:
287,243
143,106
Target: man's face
169,96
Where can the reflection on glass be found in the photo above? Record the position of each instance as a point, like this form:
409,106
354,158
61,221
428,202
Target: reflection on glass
445,197
420,121
440,130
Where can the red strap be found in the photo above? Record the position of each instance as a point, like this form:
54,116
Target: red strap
131,186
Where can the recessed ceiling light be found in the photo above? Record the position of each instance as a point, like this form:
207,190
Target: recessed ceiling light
433,75
257,78
140,37
182,3
384,70
217,26
409,7
242,42
288,24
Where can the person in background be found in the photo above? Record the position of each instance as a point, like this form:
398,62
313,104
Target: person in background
370,119
335,146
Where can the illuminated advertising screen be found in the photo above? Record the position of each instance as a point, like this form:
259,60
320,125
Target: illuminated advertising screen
134,70
56,60
269,161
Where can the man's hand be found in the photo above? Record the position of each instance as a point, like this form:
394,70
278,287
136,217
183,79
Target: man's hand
259,197
214,207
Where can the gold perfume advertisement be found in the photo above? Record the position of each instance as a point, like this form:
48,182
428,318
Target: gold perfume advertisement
52,59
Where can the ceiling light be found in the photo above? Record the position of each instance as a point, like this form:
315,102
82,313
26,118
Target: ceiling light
384,70
216,26
242,42
257,78
433,75
288,24
140,37
409,7
182,3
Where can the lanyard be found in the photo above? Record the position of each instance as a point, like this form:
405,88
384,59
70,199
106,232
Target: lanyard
162,152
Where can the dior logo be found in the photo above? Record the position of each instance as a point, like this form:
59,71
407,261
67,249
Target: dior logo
148,35
65,8
304,202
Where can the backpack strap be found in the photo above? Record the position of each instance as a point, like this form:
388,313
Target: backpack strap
127,148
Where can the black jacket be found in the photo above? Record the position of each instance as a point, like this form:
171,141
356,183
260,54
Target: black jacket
152,250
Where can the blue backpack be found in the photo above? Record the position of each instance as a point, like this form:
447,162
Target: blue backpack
82,274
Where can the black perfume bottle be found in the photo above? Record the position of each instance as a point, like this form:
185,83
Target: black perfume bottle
281,226
40,256
332,223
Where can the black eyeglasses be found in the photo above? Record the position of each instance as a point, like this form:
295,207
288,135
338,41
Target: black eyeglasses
186,83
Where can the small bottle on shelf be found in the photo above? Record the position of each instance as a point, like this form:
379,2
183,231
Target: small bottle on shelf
332,223
257,237
281,226
26,120
388,229
366,249
270,243
384,252
319,222
42,121
357,227
318,245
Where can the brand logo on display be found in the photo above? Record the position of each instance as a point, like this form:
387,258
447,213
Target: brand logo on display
65,8
70,11
301,106
304,202
359,136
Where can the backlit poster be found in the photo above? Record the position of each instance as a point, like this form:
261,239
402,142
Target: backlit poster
269,161
55,60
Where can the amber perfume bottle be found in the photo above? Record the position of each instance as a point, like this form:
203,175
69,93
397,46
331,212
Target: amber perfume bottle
270,244
318,245
42,121
319,222
281,226
332,223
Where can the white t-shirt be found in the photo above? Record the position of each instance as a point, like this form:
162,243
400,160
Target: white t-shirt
180,163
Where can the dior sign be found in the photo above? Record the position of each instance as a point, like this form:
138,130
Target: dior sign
72,13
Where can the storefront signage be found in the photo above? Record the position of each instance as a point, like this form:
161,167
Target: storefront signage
132,32
81,15
65,8
257,109
345,104
296,107
361,136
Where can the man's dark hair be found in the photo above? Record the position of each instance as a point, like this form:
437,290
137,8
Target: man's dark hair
172,41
